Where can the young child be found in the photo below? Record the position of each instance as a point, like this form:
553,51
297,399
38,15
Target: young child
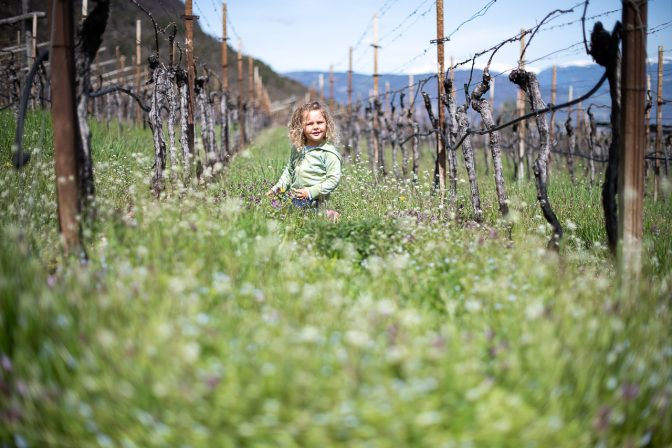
314,168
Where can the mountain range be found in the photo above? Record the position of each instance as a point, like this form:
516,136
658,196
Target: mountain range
581,79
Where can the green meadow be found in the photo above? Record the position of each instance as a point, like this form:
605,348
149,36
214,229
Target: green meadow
213,317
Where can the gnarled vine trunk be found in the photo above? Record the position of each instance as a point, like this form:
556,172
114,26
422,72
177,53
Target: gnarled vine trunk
528,82
604,47
481,105
89,38
468,153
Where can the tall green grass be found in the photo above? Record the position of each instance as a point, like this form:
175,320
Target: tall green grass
212,317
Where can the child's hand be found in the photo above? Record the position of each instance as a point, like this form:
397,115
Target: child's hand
301,193
270,193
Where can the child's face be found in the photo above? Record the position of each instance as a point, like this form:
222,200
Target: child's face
314,127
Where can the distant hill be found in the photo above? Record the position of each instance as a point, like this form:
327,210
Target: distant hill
120,32
581,78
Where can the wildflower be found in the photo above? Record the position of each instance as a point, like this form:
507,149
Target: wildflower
629,391
310,334
191,351
473,306
357,338
534,310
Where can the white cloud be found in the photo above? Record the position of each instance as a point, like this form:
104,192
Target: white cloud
422,69
577,63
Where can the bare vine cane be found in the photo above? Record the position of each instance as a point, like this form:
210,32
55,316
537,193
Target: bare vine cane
529,83
481,106
117,88
120,110
108,111
19,156
156,27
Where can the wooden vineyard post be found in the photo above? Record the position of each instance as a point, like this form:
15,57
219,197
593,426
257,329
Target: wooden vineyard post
138,59
249,113
33,54
571,136
18,53
579,126
411,101
191,73
33,39
440,144
551,130
649,105
633,145
257,85
225,51
659,114
659,127
241,107
250,80
375,163
350,81
452,133
65,123
224,101
121,63
520,167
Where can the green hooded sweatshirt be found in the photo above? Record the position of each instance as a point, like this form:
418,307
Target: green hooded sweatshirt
317,168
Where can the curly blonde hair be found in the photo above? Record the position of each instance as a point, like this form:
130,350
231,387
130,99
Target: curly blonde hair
295,125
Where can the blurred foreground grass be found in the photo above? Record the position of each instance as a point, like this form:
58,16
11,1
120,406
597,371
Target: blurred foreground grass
210,318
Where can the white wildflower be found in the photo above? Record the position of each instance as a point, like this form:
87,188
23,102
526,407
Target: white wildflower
473,306
191,351
310,334
534,310
357,338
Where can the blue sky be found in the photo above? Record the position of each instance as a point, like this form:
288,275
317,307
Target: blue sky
294,35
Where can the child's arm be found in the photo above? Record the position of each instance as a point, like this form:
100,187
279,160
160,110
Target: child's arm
286,178
331,178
